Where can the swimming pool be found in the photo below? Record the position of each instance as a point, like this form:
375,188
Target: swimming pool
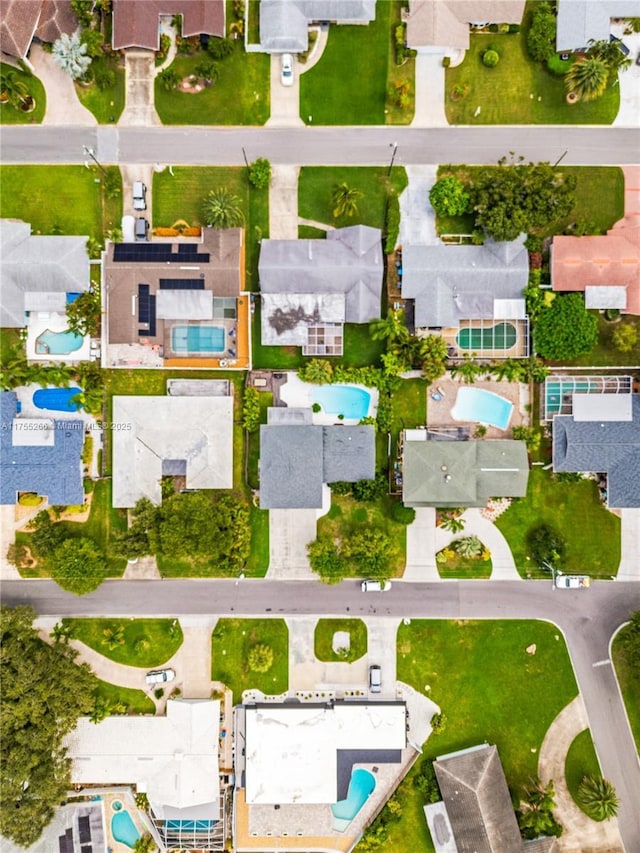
198,339
361,787
124,829
485,407
58,343
56,399
345,400
500,336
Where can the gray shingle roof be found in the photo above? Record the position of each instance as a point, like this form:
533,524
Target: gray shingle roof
475,793
581,20
296,458
284,23
33,264
349,261
453,283
52,470
606,447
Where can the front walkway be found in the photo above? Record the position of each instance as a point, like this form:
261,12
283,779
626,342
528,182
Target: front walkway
63,106
581,834
283,203
430,92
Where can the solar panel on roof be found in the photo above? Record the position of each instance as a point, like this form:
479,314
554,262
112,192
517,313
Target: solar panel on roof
84,829
151,319
86,848
181,284
158,253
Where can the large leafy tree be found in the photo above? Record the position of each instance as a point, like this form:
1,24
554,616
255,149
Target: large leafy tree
326,560
223,209
83,314
587,78
518,197
541,35
371,550
449,197
43,694
565,329
78,565
611,54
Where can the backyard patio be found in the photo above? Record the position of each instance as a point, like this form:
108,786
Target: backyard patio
439,411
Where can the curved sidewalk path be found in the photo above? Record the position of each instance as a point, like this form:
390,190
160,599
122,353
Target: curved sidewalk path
581,834
504,567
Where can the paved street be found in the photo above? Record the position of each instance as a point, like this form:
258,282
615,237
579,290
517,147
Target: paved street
320,145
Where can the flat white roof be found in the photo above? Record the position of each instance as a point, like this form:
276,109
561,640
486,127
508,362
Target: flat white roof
33,432
602,407
611,296
509,309
291,752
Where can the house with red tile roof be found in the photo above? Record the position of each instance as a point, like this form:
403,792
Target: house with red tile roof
136,22
606,268
24,20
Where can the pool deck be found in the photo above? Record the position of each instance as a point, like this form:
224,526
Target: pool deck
439,411
298,394
54,323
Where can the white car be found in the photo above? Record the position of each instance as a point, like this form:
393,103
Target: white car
573,581
139,196
375,586
160,676
286,69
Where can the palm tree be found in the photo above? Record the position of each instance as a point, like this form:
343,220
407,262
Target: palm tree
468,370
14,90
344,199
611,54
535,370
431,352
510,369
599,798
222,209
100,711
70,55
113,637
587,78
61,633
470,546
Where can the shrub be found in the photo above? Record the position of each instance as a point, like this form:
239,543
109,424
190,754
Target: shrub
260,173
446,61
449,197
251,410
261,658
29,499
401,513
565,329
542,33
438,723
545,543
158,692
316,408
493,28
513,28
490,58
470,546
559,66
625,337
393,224
220,48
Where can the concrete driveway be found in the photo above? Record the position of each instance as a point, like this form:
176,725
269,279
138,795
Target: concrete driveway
140,72
307,673
418,218
429,91
629,569
290,531
421,547
285,100
381,650
629,82
63,106
283,203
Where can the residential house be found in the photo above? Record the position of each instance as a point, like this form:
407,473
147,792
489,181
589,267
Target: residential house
284,24
310,288
602,435
476,814
25,21
298,457
437,24
136,23
461,473
186,437
39,455
177,304
579,21
172,758
477,288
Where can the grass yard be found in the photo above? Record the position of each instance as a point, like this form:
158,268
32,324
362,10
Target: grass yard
58,200
266,399
581,761
591,532
147,642
135,701
517,90
348,516
409,408
11,115
181,196
231,642
490,690
464,568
604,352
9,338
629,679
323,639
105,104
258,561
359,347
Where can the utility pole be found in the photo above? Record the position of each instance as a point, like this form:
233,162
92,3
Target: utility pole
393,157
92,154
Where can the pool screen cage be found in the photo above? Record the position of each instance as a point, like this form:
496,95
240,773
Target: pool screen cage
493,338
559,391
192,834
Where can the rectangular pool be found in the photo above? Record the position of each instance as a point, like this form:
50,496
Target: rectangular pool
207,339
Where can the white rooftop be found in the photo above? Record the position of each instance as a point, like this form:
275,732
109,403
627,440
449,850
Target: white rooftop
602,407
291,752
509,309
173,758
611,296
33,432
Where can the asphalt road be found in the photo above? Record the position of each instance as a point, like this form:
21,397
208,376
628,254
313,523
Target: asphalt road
587,618
320,145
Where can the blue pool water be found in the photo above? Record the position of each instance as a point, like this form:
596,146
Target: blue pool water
56,399
485,407
345,400
192,825
198,339
361,786
124,829
58,343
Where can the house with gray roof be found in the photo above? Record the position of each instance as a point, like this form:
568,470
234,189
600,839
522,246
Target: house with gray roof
589,440
579,21
284,24
435,24
39,455
38,273
462,473
310,288
453,283
297,458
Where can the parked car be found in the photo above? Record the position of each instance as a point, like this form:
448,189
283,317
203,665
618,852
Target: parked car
573,581
375,678
375,586
286,69
139,196
160,676
142,230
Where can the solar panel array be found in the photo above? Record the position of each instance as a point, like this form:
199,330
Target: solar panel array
146,311
66,842
181,284
158,253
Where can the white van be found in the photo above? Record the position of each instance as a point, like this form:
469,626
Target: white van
139,196
375,586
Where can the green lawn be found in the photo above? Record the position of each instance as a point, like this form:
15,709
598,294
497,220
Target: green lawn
360,349
266,400
323,639
231,642
409,408
9,338
489,689
11,115
604,353
105,104
591,532
465,568
239,96
147,642
581,761
338,91
181,196
517,90
629,678
136,701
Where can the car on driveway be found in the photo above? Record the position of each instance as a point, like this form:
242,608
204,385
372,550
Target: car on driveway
286,69
375,678
142,230
573,581
375,586
160,676
139,196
